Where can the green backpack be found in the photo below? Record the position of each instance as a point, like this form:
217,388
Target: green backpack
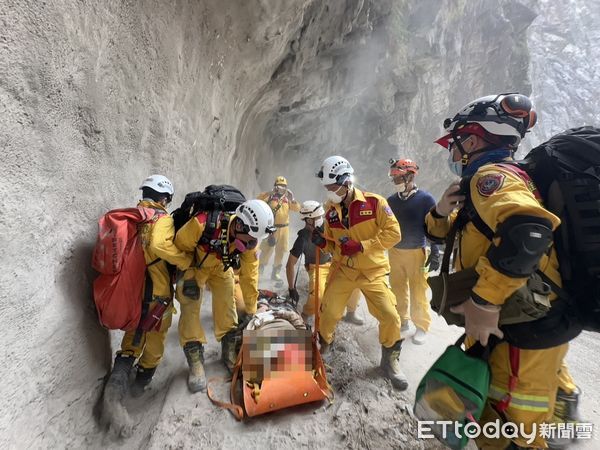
454,389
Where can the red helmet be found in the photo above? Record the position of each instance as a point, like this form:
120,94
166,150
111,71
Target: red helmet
402,167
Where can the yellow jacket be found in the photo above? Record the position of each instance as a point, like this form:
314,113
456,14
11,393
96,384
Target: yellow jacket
187,239
157,241
280,205
497,193
373,224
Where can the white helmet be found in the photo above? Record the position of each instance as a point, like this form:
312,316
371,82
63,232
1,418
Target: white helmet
311,209
159,183
500,115
257,217
336,170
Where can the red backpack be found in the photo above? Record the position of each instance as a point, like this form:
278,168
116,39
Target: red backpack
119,257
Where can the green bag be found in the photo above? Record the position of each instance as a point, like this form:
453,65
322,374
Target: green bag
455,388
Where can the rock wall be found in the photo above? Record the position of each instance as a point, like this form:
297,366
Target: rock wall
94,96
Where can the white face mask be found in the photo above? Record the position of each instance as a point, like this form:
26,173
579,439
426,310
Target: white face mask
334,197
401,187
455,166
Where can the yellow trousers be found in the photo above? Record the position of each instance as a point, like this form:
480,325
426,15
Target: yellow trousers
380,303
565,380
281,247
309,306
225,317
152,345
532,399
408,278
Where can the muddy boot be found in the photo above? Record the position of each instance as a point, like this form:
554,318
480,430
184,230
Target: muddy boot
419,337
230,347
405,327
114,413
391,366
352,317
143,377
194,353
275,273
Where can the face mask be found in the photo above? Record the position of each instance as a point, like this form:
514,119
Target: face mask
401,187
334,197
455,166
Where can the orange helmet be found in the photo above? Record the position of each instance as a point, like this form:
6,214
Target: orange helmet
402,167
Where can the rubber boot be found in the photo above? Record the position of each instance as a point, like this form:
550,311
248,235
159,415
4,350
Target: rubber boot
566,410
275,273
352,317
143,377
194,353
230,347
114,414
391,366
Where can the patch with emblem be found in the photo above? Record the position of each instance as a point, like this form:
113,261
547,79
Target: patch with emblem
388,210
366,213
488,184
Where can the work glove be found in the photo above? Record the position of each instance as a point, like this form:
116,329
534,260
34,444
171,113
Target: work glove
481,321
294,296
451,199
351,247
290,196
317,238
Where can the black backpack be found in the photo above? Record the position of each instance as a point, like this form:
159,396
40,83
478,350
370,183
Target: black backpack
214,198
566,172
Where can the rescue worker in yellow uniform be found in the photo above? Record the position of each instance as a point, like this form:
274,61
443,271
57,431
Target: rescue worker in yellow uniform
312,214
281,201
481,139
410,259
231,244
359,228
159,249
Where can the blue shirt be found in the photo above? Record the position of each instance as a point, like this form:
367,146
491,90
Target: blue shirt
411,216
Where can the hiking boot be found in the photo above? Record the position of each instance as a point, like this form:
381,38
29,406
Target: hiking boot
419,337
565,411
143,377
405,327
275,273
194,353
391,366
352,317
116,386
114,414
230,347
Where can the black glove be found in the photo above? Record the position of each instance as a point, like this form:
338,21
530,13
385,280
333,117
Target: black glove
433,262
294,296
317,238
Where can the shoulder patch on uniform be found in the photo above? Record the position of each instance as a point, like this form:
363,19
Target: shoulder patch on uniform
388,210
488,184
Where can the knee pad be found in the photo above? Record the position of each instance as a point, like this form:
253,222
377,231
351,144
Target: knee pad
523,241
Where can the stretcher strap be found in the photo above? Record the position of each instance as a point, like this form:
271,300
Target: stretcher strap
235,406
